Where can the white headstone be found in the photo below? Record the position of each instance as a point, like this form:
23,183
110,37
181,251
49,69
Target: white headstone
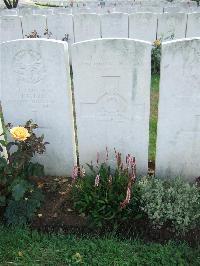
25,11
193,25
10,28
32,23
173,9
189,3
182,9
143,26
36,85
178,145
86,27
62,11
83,10
125,9
61,27
112,96
171,26
43,11
153,9
114,25
8,12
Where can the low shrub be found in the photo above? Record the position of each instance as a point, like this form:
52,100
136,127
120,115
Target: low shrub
156,53
20,195
156,57
104,194
170,203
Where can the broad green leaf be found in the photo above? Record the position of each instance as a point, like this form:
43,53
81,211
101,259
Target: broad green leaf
19,190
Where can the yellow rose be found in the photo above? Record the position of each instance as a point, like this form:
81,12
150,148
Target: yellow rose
19,133
157,43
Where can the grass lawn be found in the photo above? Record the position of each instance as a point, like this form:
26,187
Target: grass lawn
24,247
154,116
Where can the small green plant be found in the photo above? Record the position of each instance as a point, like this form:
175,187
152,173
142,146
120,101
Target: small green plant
156,56
170,203
156,53
104,194
20,196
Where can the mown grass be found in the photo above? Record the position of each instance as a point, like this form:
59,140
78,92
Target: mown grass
25,247
153,116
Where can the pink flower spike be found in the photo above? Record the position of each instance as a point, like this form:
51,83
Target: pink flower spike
74,173
127,199
97,179
128,195
82,171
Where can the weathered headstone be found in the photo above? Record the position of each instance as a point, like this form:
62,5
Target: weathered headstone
25,11
43,11
189,3
178,145
8,12
125,9
114,25
193,25
35,84
10,28
152,9
36,23
171,26
143,26
62,10
86,27
112,95
173,9
83,10
60,27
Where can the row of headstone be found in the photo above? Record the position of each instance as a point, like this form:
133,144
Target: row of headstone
116,3
112,100
81,27
132,9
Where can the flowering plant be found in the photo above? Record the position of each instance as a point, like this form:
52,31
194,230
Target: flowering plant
104,194
156,56
19,194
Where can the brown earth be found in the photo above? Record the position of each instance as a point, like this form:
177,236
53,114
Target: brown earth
57,215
